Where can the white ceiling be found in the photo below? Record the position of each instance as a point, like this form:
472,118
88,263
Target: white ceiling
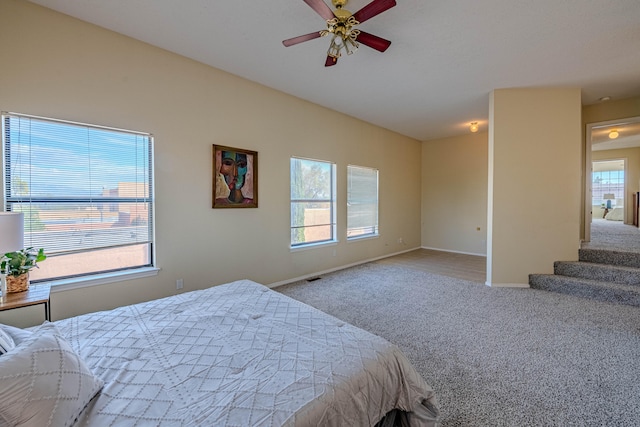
628,134
445,57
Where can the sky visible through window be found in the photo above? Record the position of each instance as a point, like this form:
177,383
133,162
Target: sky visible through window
59,159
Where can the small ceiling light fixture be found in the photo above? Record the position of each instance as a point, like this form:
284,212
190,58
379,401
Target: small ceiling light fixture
473,127
605,99
613,134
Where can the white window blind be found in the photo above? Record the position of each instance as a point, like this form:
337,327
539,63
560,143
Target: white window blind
362,202
86,193
312,202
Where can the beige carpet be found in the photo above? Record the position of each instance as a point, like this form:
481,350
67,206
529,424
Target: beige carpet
496,356
613,235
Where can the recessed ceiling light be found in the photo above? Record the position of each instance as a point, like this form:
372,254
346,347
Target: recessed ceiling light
473,127
613,134
605,98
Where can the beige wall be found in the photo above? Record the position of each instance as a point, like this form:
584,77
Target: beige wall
454,194
452,233
611,110
59,67
534,164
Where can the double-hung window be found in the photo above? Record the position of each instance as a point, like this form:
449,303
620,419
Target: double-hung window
313,218
85,191
362,202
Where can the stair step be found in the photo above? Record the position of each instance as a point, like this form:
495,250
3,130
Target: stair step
587,288
602,272
603,256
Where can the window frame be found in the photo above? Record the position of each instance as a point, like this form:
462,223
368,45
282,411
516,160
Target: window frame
616,182
375,227
332,201
95,277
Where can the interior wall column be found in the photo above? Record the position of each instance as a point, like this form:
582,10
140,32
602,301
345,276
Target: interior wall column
534,189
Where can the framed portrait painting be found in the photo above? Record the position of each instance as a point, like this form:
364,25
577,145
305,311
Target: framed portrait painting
235,177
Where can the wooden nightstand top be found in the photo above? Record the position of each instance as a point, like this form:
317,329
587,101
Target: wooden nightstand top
36,294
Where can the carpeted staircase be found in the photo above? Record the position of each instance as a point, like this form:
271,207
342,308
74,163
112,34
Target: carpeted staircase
605,275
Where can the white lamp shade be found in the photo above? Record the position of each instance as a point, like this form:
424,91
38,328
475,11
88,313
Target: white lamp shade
11,232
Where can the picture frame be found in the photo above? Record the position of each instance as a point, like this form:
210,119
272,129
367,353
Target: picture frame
235,177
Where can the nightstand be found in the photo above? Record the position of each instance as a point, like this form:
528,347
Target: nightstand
36,294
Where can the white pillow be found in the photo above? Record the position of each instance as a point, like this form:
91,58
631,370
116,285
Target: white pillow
43,382
17,334
6,342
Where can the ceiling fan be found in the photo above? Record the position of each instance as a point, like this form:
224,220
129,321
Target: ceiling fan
341,23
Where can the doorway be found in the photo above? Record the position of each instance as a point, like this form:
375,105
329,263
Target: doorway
612,182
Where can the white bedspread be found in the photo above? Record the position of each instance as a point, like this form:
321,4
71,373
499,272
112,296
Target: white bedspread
616,214
241,355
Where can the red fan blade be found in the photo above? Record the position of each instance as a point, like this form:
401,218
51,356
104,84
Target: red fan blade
331,61
321,8
300,39
374,8
374,42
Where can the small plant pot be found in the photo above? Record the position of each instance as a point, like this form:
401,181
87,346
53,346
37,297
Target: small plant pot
17,283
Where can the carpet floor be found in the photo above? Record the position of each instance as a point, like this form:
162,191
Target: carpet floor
613,235
495,356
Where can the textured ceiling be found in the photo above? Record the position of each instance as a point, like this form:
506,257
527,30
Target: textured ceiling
445,58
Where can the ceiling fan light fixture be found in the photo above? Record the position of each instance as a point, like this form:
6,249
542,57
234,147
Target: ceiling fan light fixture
473,127
335,47
341,24
340,42
350,43
613,134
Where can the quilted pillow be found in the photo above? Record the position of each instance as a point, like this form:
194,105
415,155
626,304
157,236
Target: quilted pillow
43,382
6,342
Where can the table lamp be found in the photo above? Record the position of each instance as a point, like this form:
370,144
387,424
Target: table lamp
11,239
609,197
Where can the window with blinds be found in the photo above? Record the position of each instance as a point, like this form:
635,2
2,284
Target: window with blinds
607,180
362,202
313,192
85,191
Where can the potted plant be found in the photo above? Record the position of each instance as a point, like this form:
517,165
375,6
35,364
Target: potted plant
16,266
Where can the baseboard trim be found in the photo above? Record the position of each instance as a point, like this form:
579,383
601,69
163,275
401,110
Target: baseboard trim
452,251
331,270
507,285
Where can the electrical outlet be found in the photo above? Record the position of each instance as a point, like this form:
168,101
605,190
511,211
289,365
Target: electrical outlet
179,284
400,241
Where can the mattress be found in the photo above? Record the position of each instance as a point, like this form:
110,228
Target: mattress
241,354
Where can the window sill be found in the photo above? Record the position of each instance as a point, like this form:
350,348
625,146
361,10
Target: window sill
313,246
365,237
101,279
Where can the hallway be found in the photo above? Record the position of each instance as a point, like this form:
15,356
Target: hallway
613,235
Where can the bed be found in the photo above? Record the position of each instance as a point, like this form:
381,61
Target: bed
238,354
615,214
